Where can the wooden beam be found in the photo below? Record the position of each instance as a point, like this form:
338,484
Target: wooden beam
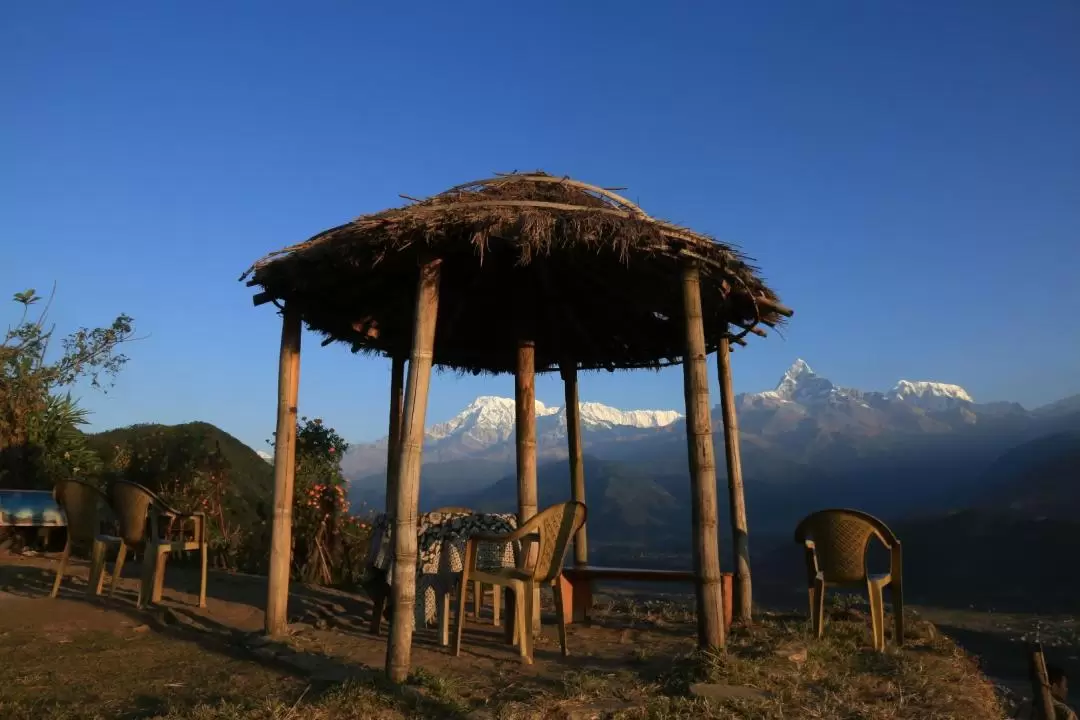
525,431
577,463
393,449
774,306
262,298
407,484
277,598
710,605
1042,701
743,600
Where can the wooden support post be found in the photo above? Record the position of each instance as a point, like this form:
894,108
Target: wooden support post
277,597
710,606
577,464
1042,701
407,485
525,431
393,450
743,600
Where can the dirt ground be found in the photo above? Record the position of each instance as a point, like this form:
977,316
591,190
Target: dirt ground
80,657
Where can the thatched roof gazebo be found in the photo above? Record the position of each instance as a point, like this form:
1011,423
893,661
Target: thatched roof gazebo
521,273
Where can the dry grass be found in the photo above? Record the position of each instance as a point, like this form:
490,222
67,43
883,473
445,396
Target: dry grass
134,673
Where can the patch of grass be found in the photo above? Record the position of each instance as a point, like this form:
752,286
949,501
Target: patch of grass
132,673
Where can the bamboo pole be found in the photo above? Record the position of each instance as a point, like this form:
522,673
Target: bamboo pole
407,484
277,596
710,604
743,595
525,431
577,464
393,450
1042,701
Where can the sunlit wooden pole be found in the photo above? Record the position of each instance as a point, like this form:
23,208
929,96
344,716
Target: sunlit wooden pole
577,463
277,598
407,485
743,595
525,432
710,606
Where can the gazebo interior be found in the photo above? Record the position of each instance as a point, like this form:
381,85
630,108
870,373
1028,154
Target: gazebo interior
520,273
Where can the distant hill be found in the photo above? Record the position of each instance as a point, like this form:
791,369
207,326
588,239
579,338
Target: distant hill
251,477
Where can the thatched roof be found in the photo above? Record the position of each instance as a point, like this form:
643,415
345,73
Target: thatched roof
580,270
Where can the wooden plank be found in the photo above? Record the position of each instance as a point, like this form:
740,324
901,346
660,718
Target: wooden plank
706,546
277,597
592,572
743,600
407,485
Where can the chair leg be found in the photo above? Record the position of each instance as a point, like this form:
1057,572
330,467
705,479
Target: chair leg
496,606
477,599
817,608
511,621
60,568
897,592
526,630
203,549
146,582
97,569
459,620
877,615
378,604
521,606
118,568
444,618
560,616
159,575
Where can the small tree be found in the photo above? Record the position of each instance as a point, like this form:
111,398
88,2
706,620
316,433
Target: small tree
328,544
39,437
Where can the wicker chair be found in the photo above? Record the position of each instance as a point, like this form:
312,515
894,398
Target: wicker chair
549,533
137,508
835,543
85,508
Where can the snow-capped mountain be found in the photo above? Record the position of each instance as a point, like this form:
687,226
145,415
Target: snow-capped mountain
802,386
485,429
489,419
803,415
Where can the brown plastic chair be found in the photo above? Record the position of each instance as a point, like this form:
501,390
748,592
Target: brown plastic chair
147,520
835,542
549,533
85,508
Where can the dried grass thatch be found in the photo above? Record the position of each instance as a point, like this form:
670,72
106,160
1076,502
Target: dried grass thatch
583,272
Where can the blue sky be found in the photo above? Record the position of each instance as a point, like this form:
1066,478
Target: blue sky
907,175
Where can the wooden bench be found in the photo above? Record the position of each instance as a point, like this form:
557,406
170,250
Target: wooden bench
576,584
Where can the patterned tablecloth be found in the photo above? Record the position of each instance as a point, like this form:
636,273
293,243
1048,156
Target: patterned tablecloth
440,543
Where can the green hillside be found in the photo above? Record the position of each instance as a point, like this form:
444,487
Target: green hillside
163,453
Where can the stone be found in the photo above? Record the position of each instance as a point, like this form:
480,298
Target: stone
721,691
795,653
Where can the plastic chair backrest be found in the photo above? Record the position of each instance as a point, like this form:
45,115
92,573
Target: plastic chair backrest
84,506
132,502
556,527
841,537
